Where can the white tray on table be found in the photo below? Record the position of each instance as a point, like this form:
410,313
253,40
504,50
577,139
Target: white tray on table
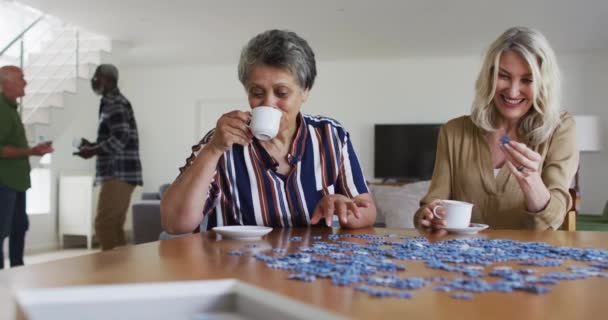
192,300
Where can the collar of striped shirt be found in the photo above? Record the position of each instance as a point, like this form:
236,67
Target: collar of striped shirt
295,151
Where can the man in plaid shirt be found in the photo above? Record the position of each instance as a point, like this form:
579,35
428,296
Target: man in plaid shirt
117,151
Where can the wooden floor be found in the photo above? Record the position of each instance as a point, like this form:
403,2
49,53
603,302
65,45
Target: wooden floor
51,256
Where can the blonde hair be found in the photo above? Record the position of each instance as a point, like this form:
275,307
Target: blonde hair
537,125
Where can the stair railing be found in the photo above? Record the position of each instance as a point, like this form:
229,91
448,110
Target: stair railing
51,59
73,72
48,67
19,37
51,66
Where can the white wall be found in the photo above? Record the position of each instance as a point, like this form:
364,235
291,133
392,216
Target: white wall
586,87
164,101
357,93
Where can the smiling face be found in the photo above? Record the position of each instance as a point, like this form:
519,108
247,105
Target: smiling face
275,87
514,88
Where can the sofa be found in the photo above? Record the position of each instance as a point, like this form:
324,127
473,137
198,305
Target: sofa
397,203
146,216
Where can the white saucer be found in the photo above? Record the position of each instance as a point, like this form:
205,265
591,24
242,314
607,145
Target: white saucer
242,232
472,229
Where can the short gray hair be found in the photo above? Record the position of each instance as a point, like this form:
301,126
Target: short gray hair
108,70
282,49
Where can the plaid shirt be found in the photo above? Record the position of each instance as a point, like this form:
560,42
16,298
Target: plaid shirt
117,139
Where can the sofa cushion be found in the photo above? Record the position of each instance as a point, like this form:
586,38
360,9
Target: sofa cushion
150,196
397,204
146,220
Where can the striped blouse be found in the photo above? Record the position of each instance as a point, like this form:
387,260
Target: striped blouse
248,190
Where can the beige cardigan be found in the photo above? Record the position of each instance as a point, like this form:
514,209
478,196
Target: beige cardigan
463,171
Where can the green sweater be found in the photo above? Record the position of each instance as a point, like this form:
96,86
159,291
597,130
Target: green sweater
14,173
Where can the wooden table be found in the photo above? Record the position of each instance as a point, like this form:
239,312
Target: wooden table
202,256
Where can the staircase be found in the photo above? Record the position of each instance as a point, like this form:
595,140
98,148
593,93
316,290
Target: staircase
58,60
64,66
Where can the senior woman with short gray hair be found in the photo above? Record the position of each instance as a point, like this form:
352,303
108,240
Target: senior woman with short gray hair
305,175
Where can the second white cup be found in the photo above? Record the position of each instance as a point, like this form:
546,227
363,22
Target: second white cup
265,122
457,213
76,143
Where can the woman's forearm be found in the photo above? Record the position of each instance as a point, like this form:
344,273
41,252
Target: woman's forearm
536,195
182,204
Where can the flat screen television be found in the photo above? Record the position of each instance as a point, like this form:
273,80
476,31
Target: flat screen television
405,152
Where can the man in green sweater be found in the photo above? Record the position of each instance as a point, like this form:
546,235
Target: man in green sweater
14,165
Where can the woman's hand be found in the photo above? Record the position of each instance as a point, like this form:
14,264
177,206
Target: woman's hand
524,163
231,128
427,220
345,208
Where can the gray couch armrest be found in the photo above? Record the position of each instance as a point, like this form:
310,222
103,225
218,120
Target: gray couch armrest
150,196
146,221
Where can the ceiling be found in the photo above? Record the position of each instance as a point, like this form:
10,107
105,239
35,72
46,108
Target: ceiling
210,32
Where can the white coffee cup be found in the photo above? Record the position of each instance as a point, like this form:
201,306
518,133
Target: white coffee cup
265,122
457,213
76,143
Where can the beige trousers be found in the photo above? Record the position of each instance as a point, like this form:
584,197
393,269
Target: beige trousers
112,207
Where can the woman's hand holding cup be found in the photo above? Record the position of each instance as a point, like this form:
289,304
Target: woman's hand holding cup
450,214
231,128
428,220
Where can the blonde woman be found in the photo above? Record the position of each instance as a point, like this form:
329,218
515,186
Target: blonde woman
515,156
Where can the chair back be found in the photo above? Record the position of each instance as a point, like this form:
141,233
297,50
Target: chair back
570,219
605,212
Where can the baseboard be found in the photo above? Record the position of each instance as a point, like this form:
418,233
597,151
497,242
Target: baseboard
594,214
40,247
69,242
